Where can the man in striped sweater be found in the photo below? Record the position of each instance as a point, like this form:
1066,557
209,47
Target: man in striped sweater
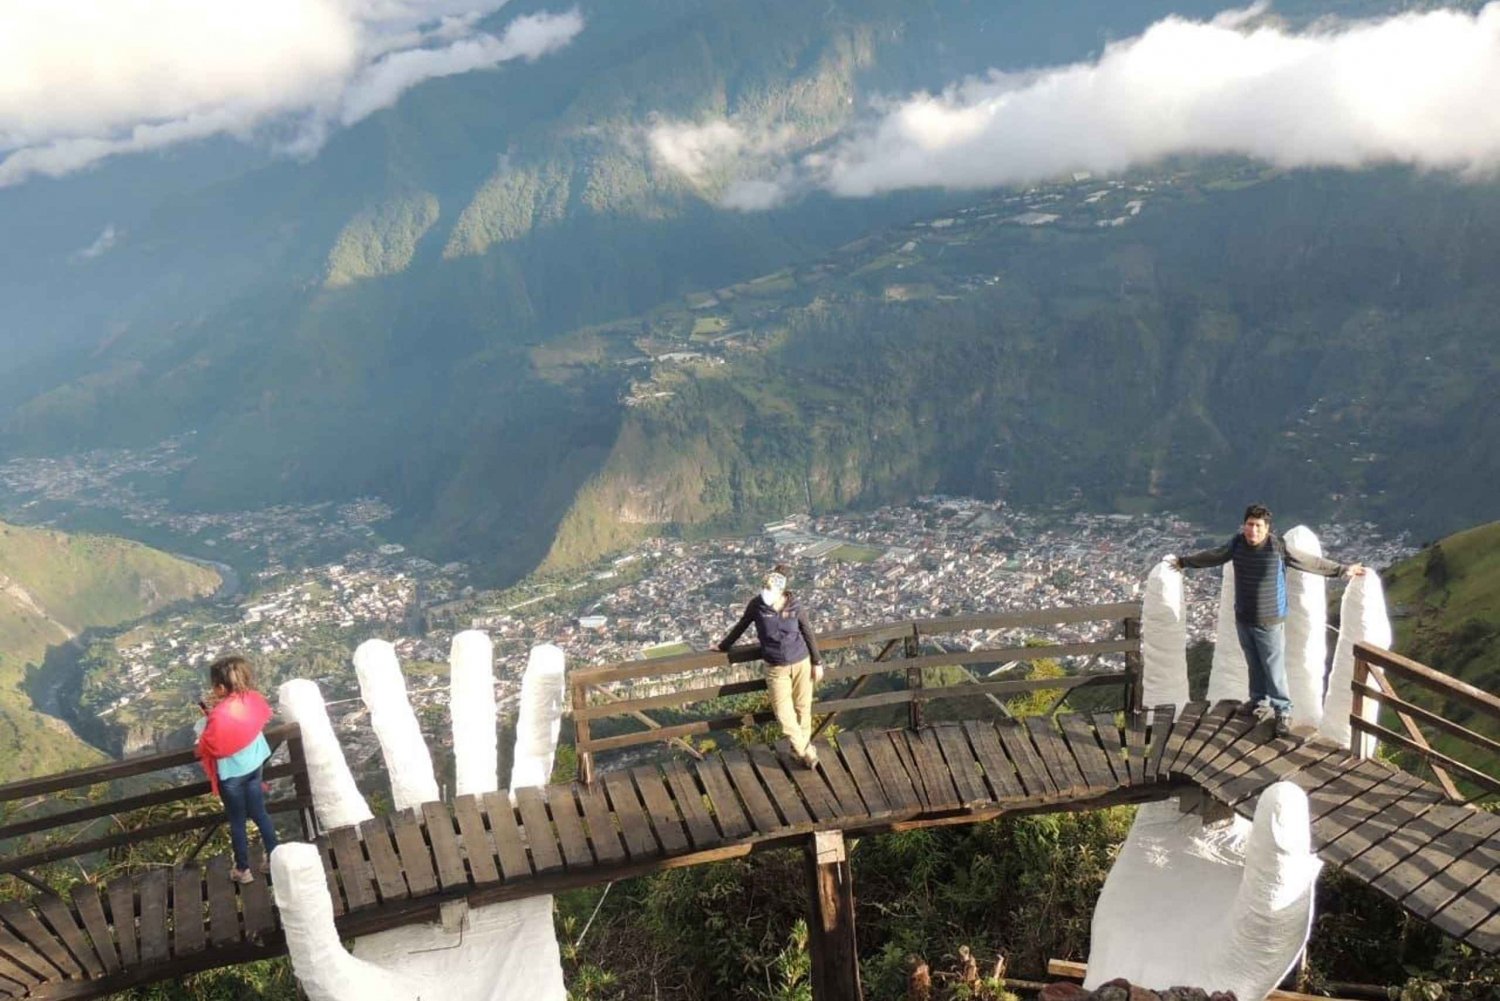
1260,560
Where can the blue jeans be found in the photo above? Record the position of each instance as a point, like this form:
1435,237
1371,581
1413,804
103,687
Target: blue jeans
244,800
1265,653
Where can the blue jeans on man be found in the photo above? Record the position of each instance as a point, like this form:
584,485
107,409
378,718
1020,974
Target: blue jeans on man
1265,653
244,800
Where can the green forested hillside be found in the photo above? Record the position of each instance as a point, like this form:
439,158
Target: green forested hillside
52,587
1446,602
1324,339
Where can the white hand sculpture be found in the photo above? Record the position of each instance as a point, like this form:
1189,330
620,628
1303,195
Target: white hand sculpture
1231,904
502,951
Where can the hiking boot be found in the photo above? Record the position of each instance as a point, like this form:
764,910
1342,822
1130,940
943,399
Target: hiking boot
1283,727
241,876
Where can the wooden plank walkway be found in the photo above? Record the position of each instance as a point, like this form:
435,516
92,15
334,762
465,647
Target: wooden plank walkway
1440,861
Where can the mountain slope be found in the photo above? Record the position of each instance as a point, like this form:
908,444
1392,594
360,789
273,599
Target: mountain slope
52,587
1322,341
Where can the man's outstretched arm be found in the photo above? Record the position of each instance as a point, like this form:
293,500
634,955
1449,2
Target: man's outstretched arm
1320,565
1215,557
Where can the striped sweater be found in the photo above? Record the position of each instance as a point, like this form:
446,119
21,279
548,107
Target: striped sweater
1260,575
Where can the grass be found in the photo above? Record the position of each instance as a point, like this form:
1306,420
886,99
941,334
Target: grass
851,553
707,326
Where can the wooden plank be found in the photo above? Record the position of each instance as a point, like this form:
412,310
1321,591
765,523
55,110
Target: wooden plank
55,911
831,766
416,860
1274,768
1418,850
1471,907
223,907
852,753
1055,755
660,809
820,800
724,801
188,913
1453,881
1209,725
154,887
999,773
626,805
603,837
24,924
1182,727
1083,745
255,900
1250,757
121,894
354,875
390,881
963,764
1033,773
690,803
783,793
565,817
331,875
937,781
1486,935
443,837
1236,734
1391,843
1340,832
1135,748
85,898
757,803
1163,720
509,845
478,846
890,771
536,830
1112,742
21,963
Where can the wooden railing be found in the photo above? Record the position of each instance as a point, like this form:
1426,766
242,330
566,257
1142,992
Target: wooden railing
1373,670
75,832
901,652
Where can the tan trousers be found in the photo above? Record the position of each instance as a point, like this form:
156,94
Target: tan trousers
791,690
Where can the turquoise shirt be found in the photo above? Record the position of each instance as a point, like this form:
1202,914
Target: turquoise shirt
246,761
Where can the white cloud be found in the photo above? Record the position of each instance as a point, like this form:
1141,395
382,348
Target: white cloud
529,37
1418,89
105,240
92,78
695,150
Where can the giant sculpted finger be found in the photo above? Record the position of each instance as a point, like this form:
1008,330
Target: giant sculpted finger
1231,902
499,951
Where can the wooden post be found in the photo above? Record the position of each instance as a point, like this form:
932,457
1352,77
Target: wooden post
1357,706
1134,669
830,919
302,785
581,735
913,645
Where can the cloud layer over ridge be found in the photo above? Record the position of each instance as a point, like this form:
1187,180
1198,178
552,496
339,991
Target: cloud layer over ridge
83,80
1419,89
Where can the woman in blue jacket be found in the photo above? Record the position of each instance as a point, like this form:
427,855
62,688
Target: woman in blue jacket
790,652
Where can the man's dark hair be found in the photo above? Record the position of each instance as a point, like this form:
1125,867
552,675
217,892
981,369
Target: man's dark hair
1258,511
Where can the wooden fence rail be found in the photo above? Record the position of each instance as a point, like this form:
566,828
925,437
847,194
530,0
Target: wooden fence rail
900,653
85,838
1373,670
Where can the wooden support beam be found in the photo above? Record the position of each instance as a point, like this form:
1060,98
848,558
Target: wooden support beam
830,919
1077,971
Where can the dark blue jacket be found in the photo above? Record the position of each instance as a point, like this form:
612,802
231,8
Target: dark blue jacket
1260,575
785,636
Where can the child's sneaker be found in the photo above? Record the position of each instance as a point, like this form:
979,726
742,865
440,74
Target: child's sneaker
241,876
